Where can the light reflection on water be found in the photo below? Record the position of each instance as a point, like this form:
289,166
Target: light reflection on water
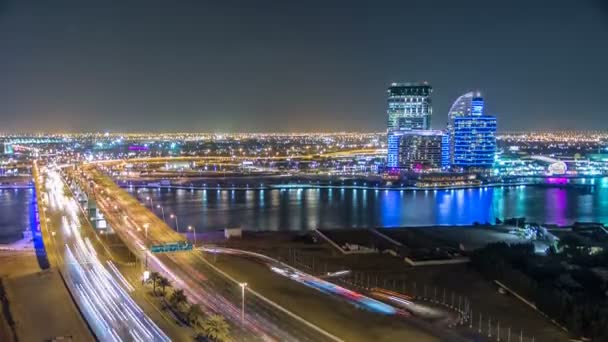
14,213
303,209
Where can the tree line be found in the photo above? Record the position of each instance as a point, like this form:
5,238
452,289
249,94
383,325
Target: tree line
208,327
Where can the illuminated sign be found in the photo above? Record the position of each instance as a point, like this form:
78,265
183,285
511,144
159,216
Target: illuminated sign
171,247
138,148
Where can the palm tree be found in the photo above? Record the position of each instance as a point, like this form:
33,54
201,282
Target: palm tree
178,298
195,313
215,328
163,282
154,277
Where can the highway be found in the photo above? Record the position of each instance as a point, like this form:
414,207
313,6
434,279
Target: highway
100,291
357,299
379,301
205,284
202,282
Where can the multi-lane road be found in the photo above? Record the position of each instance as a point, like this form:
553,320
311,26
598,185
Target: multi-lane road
215,290
99,290
202,282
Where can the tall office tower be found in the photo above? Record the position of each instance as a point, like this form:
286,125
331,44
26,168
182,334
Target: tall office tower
474,139
463,106
409,106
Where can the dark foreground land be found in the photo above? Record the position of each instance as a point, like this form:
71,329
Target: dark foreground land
36,304
312,254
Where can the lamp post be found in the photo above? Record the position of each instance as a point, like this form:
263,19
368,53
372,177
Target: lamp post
162,210
148,198
176,224
194,229
243,285
146,248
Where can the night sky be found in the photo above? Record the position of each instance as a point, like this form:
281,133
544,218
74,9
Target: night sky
262,66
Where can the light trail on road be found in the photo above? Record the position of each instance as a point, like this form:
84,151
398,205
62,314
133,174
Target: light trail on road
316,283
103,298
375,301
397,305
201,283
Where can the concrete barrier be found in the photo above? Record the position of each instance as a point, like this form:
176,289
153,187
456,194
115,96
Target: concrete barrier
462,260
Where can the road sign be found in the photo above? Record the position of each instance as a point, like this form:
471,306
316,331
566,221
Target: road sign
171,247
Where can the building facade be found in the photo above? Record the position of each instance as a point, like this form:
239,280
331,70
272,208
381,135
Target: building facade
461,107
420,150
417,150
474,142
471,135
409,106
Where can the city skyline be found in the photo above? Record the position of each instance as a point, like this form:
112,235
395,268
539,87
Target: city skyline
293,67
283,171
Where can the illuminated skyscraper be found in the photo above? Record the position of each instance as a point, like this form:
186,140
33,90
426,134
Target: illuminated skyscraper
461,107
473,143
472,134
409,106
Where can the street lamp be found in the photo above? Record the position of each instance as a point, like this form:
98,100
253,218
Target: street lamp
176,224
146,225
193,228
162,210
148,198
243,285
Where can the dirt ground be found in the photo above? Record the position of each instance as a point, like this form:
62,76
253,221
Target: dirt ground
38,301
391,272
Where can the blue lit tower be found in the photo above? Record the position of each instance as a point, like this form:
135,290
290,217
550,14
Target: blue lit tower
461,107
472,134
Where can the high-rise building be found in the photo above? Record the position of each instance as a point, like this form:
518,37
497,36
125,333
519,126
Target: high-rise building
471,134
416,149
461,107
409,106
474,142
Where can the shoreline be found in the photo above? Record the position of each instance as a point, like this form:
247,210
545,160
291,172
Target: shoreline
348,187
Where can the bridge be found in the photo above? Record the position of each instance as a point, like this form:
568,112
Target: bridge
156,244
157,160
